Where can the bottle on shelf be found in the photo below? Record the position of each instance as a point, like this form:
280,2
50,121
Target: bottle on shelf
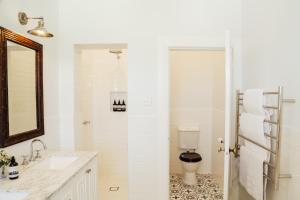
119,106
123,106
115,106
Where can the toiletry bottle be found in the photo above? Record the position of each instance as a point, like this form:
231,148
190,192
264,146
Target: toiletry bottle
123,106
115,106
119,106
13,172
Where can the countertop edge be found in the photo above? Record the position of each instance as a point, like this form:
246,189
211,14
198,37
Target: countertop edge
70,177
42,184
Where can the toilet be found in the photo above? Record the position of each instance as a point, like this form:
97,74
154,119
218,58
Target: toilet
188,141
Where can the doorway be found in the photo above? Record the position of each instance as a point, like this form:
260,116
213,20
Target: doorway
191,43
100,118
197,106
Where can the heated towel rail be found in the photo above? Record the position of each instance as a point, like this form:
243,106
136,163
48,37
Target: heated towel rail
274,164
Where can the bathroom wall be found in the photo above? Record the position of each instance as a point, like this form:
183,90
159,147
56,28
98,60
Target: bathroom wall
139,24
83,102
197,100
9,19
107,132
271,58
218,113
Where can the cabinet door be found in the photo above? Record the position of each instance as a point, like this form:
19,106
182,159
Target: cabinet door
65,193
91,180
80,187
68,195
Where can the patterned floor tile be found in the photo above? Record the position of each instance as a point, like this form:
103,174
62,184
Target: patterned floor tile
206,188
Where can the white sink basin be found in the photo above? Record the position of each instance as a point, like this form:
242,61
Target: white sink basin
56,162
10,195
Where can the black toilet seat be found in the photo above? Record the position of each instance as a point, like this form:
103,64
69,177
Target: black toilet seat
190,157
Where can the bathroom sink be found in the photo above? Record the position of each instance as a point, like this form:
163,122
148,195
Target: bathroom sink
13,195
56,162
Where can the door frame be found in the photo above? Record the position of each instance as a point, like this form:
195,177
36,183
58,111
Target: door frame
165,44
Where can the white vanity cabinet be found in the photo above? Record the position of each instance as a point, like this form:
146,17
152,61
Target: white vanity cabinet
83,186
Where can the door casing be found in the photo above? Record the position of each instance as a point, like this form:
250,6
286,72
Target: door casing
165,44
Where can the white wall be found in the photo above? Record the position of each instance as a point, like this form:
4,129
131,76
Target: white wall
271,58
83,102
196,97
108,131
218,114
8,19
139,24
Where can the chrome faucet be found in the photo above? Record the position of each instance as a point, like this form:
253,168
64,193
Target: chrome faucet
32,158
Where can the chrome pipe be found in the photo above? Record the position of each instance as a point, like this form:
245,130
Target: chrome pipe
271,136
237,124
264,93
258,144
276,151
265,107
278,143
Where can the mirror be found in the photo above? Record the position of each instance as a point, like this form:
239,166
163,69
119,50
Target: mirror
21,102
21,88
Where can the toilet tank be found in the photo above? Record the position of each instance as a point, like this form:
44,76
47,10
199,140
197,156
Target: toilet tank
188,138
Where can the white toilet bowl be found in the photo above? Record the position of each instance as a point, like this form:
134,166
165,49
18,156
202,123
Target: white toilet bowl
190,163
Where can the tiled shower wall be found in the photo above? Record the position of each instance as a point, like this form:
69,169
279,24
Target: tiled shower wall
107,131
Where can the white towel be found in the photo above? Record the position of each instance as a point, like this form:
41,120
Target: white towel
251,172
254,101
255,178
244,155
252,156
253,127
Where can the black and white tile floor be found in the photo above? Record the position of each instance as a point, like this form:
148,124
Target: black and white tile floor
207,188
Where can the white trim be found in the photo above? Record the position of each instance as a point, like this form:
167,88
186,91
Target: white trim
164,45
228,109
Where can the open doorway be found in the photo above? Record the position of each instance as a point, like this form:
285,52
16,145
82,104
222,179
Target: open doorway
196,121
100,118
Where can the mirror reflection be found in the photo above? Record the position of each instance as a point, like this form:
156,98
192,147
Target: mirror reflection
21,66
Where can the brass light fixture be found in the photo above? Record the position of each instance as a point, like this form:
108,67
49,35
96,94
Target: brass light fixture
40,30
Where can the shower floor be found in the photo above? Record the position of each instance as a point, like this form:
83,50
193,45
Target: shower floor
207,188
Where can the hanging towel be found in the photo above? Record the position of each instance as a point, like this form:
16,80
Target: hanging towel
254,101
244,156
255,178
251,171
253,127
252,156
268,116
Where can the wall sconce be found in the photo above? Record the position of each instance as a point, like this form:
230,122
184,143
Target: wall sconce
40,30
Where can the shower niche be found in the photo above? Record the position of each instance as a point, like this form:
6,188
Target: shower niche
118,101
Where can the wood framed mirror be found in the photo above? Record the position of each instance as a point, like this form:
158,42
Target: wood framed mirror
21,85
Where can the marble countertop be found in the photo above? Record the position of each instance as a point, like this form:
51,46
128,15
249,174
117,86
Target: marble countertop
42,183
